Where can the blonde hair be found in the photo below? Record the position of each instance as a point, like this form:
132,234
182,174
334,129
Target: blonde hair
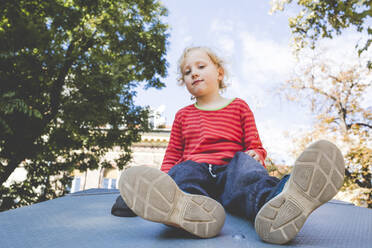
211,54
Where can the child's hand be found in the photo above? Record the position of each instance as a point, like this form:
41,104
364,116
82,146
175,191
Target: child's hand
254,155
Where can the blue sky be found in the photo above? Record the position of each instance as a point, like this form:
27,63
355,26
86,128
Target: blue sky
256,47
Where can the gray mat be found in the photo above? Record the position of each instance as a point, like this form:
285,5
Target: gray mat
83,219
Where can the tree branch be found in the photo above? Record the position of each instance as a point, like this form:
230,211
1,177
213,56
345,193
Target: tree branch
317,90
8,170
354,178
360,124
55,95
58,84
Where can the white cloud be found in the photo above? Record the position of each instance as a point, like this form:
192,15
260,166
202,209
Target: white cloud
227,45
341,49
264,60
251,92
278,142
259,65
219,25
187,40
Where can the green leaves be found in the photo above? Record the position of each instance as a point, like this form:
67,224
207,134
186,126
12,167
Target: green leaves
69,72
324,19
9,106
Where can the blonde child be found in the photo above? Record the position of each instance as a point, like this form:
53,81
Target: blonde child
215,161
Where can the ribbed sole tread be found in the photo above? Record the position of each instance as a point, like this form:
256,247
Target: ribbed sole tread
153,195
316,178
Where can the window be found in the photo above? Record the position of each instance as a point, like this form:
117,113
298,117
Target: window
109,183
113,183
109,178
105,183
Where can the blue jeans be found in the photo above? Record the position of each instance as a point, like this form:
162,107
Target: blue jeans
242,186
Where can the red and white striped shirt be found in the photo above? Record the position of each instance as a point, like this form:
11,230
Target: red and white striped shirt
212,136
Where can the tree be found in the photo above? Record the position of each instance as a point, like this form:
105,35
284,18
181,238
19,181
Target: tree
320,19
277,170
336,93
68,74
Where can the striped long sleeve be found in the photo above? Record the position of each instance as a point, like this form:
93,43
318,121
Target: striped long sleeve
212,136
175,147
251,138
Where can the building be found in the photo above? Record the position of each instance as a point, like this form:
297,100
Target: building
149,151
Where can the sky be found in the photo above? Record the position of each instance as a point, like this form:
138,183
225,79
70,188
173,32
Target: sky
256,47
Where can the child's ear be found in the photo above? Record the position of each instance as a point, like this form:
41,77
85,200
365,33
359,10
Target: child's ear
221,73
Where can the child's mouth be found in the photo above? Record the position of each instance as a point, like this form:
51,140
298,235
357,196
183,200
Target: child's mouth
196,82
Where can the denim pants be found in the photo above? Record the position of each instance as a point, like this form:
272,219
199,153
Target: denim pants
242,186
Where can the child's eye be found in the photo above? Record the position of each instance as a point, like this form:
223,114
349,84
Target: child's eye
187,72
201,66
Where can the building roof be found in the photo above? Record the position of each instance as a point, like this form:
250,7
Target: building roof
83,219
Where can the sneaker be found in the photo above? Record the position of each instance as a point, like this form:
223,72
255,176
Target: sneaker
317,176
154,196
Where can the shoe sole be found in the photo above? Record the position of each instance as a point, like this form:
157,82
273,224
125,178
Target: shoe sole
153,195
317,176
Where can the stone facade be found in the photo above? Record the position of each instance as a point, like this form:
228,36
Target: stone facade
149,152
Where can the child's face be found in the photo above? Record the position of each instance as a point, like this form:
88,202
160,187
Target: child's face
200,74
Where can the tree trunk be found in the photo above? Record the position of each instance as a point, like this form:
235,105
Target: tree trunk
85,179
8,170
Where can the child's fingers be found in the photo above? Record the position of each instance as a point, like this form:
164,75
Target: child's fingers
259,160
251,153
254,155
